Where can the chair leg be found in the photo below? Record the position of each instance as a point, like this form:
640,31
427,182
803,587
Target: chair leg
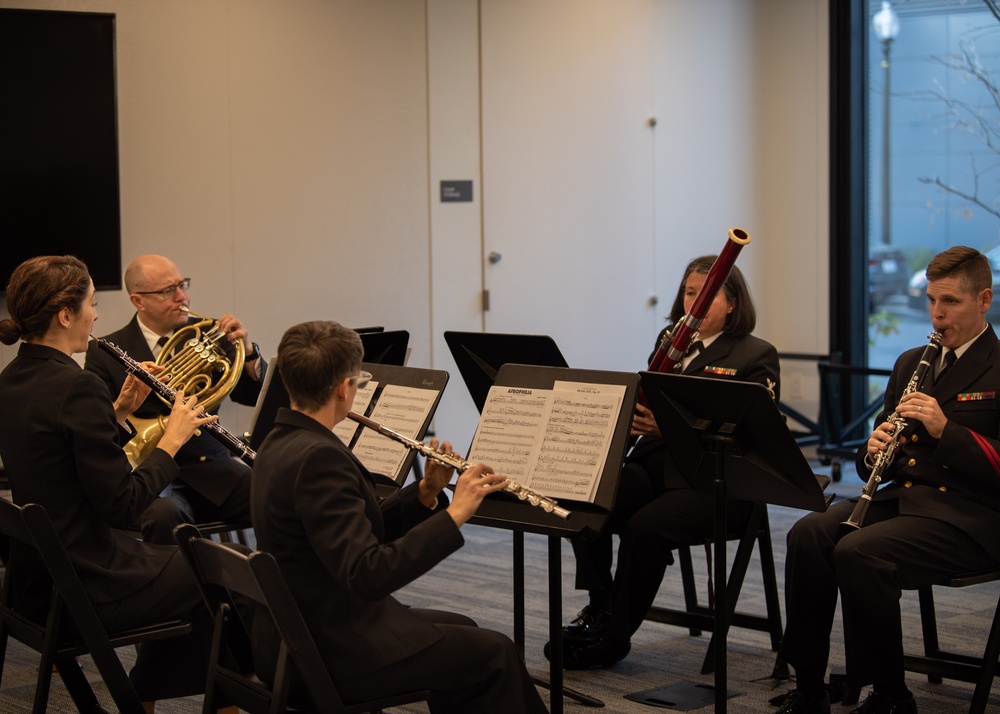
771,597
989,667
733,587
687,581
928,624
78,687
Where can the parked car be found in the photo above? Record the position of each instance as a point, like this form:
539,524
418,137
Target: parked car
917,288
887,274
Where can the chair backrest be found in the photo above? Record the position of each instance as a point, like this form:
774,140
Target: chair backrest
24,612
223,572
29,526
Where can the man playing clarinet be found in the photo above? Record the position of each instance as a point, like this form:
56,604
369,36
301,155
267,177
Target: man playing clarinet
936,515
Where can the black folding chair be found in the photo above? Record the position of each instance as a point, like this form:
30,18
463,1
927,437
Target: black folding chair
70,626
937,663
222,572
697,617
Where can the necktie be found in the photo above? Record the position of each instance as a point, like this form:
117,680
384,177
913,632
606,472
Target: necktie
692,352
949,360
159,345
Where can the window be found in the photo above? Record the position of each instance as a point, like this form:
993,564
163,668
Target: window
933,154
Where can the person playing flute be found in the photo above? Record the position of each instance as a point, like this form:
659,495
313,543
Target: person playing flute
343,553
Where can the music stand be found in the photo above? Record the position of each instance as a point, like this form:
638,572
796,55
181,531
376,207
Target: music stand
503,511
729,438
273,396
383,347
480,355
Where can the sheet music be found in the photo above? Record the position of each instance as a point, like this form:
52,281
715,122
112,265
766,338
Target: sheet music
402,409
552,441
346,429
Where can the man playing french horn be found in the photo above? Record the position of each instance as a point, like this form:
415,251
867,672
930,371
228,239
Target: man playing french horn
935,516
213,486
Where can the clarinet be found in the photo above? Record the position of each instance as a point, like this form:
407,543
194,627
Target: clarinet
547,504
229,440
884,458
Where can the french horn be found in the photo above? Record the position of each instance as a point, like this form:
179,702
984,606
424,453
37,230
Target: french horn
195,360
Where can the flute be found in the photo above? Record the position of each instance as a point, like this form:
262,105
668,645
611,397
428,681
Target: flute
228,439
547,504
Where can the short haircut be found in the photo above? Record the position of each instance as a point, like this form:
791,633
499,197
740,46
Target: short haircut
38,289
743,319
971,267
314,357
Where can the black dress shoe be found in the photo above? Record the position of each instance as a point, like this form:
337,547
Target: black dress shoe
588,625
877,703
599,653
795,702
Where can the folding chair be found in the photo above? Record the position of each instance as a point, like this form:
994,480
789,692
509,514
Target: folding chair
937,663
223,572
71,626
697,617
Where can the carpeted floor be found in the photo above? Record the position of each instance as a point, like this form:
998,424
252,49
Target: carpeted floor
476,581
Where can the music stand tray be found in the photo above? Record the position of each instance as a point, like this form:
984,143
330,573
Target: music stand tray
729,438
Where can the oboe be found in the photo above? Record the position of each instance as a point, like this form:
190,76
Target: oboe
547,504
884,458
229,440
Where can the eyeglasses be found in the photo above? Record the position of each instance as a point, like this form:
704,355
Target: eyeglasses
167,292
362,379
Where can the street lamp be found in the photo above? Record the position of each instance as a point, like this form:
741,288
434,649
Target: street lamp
885,24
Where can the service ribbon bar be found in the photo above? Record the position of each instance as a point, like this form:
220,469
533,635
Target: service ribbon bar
725,371
976,396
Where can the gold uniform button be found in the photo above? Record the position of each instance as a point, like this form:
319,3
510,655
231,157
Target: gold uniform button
202,459
907,484
943,489
911,462
913,438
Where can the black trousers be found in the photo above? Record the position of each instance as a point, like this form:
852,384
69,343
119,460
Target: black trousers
870,568
651,521
468,670
186,505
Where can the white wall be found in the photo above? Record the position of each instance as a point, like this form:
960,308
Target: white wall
278,152
287,154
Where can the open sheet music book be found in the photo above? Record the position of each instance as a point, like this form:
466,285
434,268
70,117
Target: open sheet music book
401,408
554,441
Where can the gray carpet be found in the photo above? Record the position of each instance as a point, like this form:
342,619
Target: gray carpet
476,581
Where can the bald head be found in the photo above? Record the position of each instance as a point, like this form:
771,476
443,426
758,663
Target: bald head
158,292
144,271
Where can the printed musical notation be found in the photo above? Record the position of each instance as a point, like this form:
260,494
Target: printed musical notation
554,441
346,429
403,408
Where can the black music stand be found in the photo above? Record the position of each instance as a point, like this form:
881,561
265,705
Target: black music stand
729,439
480,355
383,347
501,510
273,396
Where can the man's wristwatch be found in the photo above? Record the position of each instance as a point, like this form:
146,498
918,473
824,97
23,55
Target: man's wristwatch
253,355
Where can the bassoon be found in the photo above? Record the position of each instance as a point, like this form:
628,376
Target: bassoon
678,339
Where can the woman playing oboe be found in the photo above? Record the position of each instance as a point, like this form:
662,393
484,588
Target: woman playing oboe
936,515
344,553
61,439
655,510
